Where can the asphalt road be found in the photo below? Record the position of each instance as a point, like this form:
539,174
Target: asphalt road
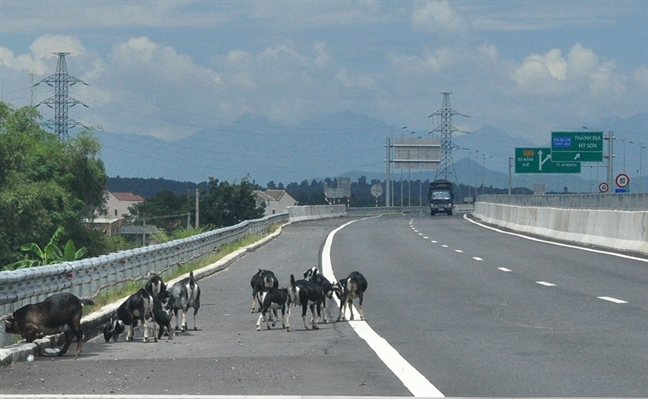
476,312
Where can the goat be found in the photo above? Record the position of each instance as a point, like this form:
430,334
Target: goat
56,314
313,275
154,285
138,306
351,288
272,299
113,329
162,304
185,294
308,295
261,279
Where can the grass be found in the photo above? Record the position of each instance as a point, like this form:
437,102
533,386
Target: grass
113,294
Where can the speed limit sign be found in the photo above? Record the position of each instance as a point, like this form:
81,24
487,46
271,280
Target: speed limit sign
603,187
622,180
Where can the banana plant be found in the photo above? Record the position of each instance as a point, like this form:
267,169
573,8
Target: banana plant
49,254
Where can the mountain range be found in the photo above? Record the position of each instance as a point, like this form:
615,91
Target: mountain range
350,145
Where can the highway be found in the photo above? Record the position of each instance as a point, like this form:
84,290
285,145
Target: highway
453,309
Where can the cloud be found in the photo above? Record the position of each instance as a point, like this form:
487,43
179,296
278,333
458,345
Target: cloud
438,17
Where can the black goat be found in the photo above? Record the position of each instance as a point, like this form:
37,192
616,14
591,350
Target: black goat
351,288
56,314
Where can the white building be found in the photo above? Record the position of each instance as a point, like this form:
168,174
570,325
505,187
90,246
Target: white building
276,201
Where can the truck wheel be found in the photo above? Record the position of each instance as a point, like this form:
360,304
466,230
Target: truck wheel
432,213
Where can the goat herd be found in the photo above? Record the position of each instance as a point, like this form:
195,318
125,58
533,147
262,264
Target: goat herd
62,312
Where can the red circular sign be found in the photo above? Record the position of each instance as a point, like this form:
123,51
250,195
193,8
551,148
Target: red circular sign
622,180
603,187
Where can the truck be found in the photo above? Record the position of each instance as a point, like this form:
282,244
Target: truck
441,197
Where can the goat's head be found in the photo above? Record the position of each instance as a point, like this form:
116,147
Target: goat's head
311,273
10,324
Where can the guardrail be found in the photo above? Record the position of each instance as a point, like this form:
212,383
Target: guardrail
88,276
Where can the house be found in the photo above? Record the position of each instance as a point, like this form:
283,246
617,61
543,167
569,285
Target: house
116,206
118,203
276,201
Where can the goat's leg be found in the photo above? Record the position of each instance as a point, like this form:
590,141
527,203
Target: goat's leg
195,319
145,328
304,308
69,336
183,326
288,317
129,335
316,317
258,323
350,306
360,297
342,315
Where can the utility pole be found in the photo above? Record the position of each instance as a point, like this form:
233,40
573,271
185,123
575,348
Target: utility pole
445,129
197,208
61,102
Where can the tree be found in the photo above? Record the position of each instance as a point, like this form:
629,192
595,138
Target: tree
224,204
166,210
46,183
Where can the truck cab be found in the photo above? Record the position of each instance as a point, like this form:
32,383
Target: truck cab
441,197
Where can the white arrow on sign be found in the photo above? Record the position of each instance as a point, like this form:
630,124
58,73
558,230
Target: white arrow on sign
577,156
540,161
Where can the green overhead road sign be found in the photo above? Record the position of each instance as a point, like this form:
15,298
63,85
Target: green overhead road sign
539,160
577,146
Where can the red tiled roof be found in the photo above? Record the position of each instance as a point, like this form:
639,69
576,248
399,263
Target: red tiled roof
128,197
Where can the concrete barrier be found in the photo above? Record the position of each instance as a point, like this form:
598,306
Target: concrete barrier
312,212
614,229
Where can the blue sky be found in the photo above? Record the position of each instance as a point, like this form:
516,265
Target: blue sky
169,68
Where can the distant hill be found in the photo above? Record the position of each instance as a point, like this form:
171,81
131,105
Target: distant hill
351,145
148,188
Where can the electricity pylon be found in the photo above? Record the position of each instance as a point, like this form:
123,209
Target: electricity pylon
445,129
61,102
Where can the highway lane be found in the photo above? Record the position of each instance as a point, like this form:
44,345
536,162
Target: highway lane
226,356
437,293
481,313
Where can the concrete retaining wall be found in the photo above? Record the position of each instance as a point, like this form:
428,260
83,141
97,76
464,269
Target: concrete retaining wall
620,230
299,213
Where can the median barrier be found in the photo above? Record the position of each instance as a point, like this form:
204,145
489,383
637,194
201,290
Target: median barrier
623,230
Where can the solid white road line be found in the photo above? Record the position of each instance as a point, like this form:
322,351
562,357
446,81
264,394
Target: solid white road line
546,284
610,299
417,384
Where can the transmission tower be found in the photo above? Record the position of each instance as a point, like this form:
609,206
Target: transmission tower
61,102
445,130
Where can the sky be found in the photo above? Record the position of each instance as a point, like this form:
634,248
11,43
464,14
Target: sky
171,68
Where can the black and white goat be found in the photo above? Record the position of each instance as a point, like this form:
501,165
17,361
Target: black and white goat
154,285
351,288
57,313
138,307
260,280
308,295
313,275
162,305
271,299
113,329
185,294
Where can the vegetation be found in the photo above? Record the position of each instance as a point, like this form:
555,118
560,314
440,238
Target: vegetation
46,184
